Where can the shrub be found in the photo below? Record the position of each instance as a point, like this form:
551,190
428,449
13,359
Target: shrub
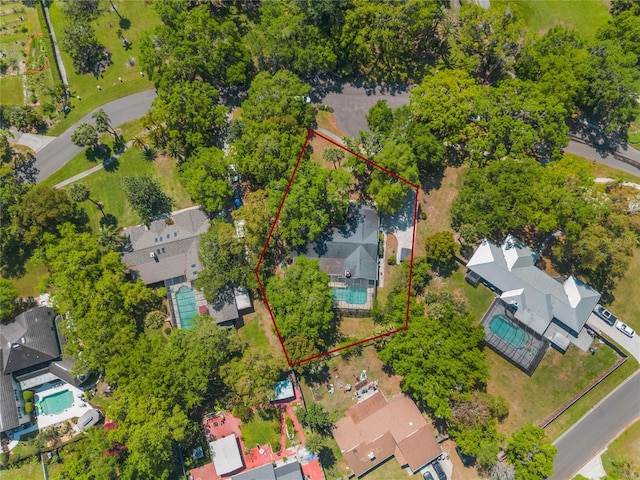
154,319
27,395
391,260
4,459
28,407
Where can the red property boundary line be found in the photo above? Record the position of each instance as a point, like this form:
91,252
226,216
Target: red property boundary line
416,188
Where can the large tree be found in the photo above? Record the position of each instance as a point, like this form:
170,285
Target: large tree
252,377
530,453
85,135
8,296
224,260
195,43
301,302
205,176
286,39
439,356
146,197
391,41
190,111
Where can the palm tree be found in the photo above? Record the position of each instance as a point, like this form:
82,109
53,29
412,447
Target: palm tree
110,237
138,142
80,193
175,150
103,123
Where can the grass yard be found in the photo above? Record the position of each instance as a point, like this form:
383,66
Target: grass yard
478,299
11,90
626,448
582,406
556,380
262,431
125,63
31,469
106,186
27,284
436,203
627,301
586,16
258,331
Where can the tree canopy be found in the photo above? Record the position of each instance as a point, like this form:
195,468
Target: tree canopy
146,197
530,453
205,176
439,356
301,302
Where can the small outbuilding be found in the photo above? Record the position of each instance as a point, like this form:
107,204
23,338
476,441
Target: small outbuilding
89,419
226,455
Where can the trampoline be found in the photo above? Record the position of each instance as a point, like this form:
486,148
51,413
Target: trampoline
186,306
508,331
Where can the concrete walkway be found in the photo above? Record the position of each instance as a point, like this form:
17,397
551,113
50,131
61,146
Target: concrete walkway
594,470
31,140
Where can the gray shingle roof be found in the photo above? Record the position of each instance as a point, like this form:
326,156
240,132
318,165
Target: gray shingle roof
175,247
8,408
539,297
354,248
29,340
290,471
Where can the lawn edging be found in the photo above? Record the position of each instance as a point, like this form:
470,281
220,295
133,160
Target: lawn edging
623,358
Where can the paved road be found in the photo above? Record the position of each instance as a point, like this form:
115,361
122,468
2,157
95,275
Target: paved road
594,431
58,152
352,104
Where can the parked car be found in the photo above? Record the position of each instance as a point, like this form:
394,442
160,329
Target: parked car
626,329
235,177
605,315
439,471
467,460
427,476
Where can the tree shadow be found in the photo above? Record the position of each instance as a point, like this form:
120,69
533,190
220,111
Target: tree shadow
99,153
327,457
124,23
150,154
111,164
108,220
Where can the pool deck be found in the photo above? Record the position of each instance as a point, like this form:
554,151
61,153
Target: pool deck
78,408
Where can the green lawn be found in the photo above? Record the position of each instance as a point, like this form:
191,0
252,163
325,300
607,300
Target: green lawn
27,285
31,470
582,406
106,186
556,380
11,90
626,448
253,333
82,162
627,301
260,431
125,63
586,16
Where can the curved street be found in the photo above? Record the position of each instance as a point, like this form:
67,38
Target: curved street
350,106
59,151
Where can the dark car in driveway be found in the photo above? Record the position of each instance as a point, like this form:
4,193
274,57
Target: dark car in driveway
427,476
439,471
605,315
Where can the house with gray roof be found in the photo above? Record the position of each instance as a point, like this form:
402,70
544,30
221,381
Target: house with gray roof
167,248
288,471
349,255
30,356
554,308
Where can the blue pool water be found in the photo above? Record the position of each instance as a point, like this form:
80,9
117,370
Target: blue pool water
354,295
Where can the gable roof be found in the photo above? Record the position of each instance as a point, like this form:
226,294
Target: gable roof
539,297
175,246
376,429
354,248
30,339
289,471
8,408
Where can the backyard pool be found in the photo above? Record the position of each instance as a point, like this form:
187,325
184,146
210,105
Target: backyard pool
56,403
186,305
508,331
353,294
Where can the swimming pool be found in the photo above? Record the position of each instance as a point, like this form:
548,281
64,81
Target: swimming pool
508,331
186,305
57,402
354,295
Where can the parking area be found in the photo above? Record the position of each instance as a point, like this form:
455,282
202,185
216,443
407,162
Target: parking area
445,463
631,345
